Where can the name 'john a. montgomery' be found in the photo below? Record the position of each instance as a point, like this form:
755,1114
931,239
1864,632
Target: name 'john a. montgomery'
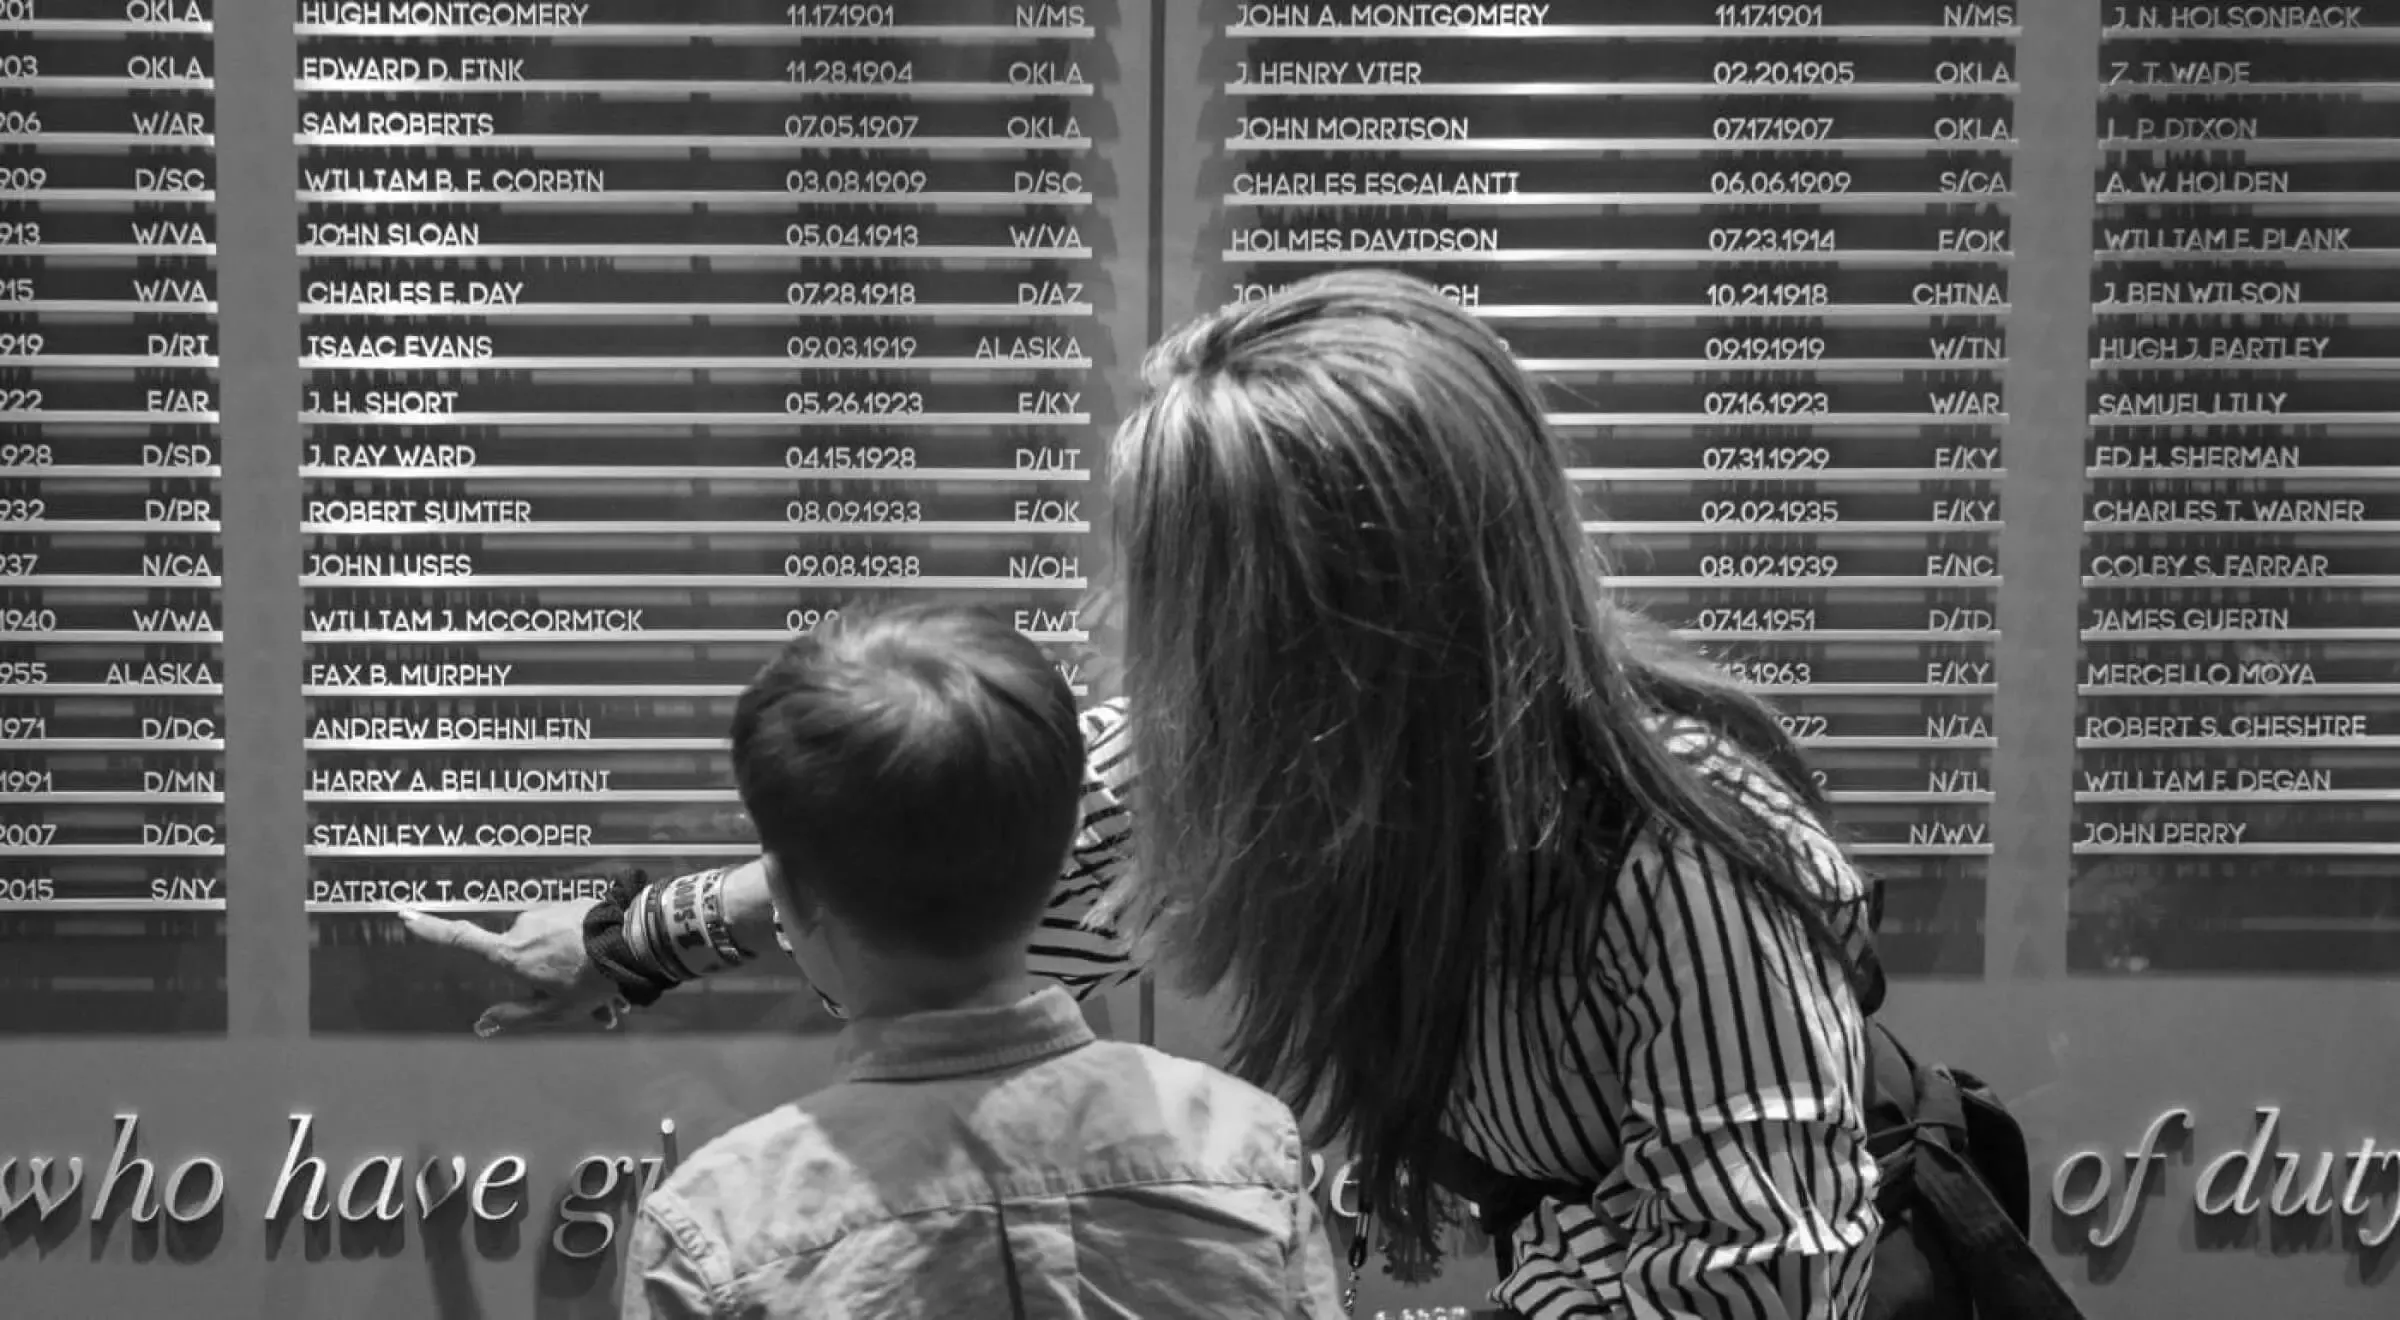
1391,15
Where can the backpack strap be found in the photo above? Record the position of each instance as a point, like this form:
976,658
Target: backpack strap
1931,1170
1502,1201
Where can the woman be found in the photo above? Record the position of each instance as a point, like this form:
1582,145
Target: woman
1497,876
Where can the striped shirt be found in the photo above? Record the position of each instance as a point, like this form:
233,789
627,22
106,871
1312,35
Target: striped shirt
1711,1090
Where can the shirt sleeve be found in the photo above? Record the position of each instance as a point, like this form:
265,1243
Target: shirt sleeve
670,1271
1745,1190
1072,947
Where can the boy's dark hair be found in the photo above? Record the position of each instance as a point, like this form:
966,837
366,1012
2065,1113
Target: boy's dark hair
921,768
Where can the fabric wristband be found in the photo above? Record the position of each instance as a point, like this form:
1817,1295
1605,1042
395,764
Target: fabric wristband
605,943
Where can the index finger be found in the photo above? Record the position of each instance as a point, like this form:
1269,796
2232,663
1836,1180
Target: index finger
453,934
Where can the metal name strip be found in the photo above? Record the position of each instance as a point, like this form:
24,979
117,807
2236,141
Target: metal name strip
2284,634
100,905
108,471
786,253
67,83
2354,312
732,34
683,311
1628,91
721,691
595,420
2286,690
88,636
747,850
1925,527
96,797
691,636
2121,421
2346,89
633,364
1786,692
2260,204
2237,849
1838,582
1861,32
116,689
2315,367
118,850
695,527
2173,256
111,361
117,744
80,27
2229,583
138,581
1812,476
2246,525
143,140
1606,257
502,797
1959,636
2329,35
57,526
563,581
2255,148
778,476
683,144
1909,421
727,199
715,89
1850,202
2242,796
2364,742
100,417
143,196
1670,313
1820,367
717,744
112,306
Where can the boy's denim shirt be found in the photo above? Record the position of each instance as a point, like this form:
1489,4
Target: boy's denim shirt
996,1162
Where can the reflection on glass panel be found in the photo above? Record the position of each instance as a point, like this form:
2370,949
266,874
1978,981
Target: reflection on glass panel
2235,783
631,348
1764,279
112,792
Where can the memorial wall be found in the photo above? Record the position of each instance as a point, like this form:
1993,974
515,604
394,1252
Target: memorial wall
1764,278
112,723
2235,688
634,343
417,421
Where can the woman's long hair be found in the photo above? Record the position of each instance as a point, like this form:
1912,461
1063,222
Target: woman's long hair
1376,686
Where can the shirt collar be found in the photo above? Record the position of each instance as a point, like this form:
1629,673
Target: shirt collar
925,1046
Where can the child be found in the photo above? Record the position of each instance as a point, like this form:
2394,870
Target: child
915,776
